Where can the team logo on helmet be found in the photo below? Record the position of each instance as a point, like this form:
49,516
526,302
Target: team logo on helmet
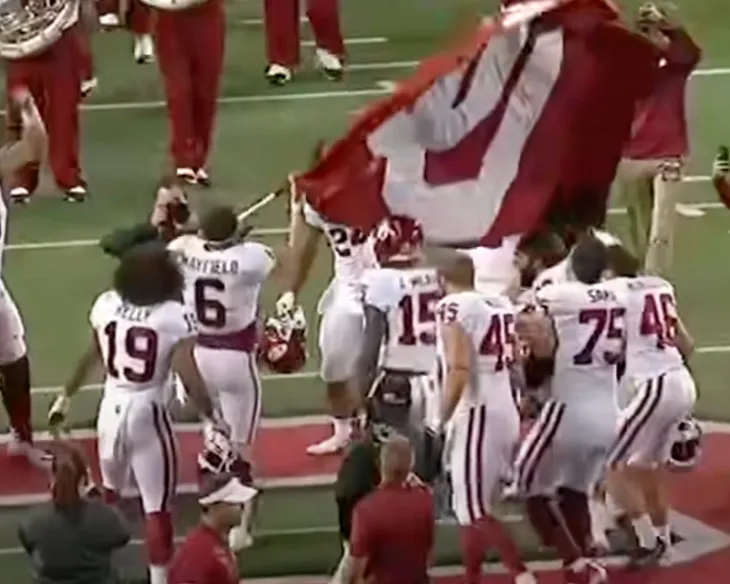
397,238
218,456
687,445
284,342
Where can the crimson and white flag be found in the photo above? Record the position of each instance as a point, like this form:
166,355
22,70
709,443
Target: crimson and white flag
483,139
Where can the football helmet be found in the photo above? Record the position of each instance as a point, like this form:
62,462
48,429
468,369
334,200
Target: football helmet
687,445
397,238
284,344
219,456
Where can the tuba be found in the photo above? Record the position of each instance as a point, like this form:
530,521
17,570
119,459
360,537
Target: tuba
29,27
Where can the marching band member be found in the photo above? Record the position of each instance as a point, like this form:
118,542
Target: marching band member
42,50
190,42
283,42
136,17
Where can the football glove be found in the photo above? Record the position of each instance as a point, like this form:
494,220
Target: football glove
59,411
285,304
721,165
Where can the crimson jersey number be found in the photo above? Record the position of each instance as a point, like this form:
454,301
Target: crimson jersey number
607,323
344,239
417,311
140,344
500,340
659,319
209,311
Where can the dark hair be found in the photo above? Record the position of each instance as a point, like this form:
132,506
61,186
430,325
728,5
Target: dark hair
147,275
589,259
69,471
547,246
622,262
219,224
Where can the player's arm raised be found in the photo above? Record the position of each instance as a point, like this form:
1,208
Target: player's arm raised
684,341
303,244
457,356
33,137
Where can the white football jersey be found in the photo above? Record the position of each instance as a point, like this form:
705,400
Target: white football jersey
222,286
3,239
352,248
591,338
489,323
494,268
408,298
651,328
557,274
137,342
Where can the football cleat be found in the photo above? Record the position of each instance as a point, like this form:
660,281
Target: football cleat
284,344
721,165
20,196
77,194
397,238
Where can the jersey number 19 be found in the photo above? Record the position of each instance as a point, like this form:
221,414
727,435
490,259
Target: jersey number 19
140,344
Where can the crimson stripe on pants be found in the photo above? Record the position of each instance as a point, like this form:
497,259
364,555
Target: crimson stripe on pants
478,446
549,418
168,457
467,469
635,422
256,410
547,442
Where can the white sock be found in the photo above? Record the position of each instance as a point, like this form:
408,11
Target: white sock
343,574
342,427
599,520
665,532
645,531
158,574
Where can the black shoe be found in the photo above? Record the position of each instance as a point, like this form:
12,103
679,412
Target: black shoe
76,194
645,558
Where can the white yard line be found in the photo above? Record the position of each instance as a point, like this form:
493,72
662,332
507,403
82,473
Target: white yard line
384,66
313,375
354,41
284,230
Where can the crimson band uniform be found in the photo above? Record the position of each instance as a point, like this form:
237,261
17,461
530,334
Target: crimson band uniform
136,15
222,288
283,29
190,43
51,65
569,443
662,389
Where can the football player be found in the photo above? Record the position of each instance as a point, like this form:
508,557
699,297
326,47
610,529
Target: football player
476,345
14,362
399,349
141,333
223,277
342,325
664,394
580,324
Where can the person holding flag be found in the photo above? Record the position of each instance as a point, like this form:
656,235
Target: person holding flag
475,156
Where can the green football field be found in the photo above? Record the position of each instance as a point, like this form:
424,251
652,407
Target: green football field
54,267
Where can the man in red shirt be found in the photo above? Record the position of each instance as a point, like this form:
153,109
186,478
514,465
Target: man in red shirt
388,547
650,173
204,557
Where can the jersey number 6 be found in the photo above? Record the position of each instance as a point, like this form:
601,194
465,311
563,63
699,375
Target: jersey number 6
140,344
208,311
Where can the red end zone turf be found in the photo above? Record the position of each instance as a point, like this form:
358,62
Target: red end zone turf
702,497
280,456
